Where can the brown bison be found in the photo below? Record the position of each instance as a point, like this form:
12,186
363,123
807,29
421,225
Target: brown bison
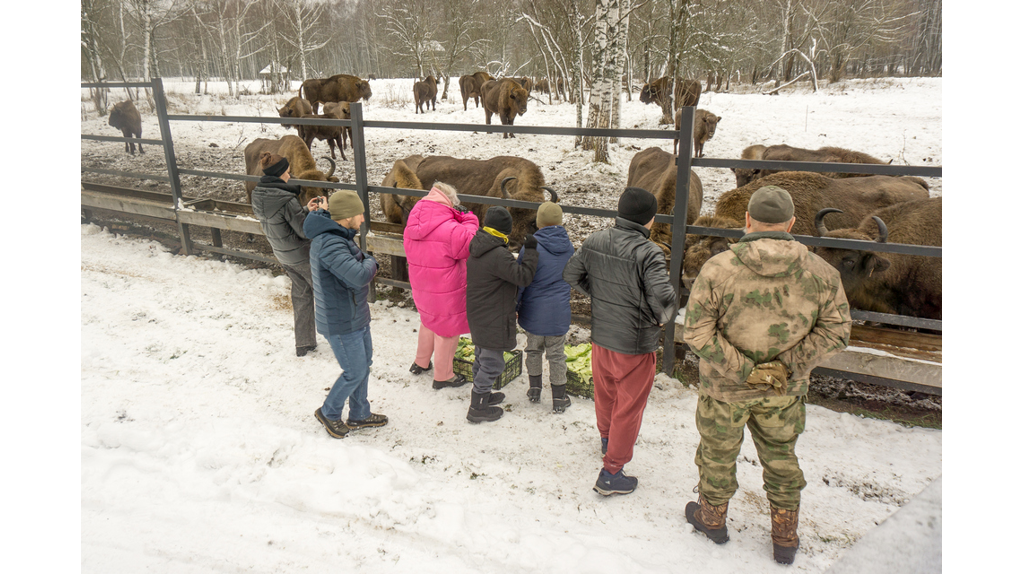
301,164
470,87
784,152
294,108
503,176
687,92
125,117
526,82
337,88
811,192
425,94
333,135
891,282
560,86
341,111
654,169
704,125
505,98
543,86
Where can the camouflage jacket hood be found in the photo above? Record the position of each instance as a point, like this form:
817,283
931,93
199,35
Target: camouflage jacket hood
767,298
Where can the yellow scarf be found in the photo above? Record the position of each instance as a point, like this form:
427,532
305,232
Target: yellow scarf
497,234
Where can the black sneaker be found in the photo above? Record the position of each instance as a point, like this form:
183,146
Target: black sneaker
374,420
456,381
618,483
418,370
604,446
337,429
301,351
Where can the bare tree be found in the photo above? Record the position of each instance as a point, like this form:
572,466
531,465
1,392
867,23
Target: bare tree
408,31
302,32
91,53
461,23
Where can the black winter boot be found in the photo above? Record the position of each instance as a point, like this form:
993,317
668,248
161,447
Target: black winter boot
559,400
480,411
533,393
708,519
495,399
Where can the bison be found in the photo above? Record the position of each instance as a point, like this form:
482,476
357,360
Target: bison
654,169
425,93
470,86
301,164
341,111
811,193
337,88
891,282
294,108
687,92
125,117
560,86
542,86
704,125
503,176
526,82
784,152
333,135
505,98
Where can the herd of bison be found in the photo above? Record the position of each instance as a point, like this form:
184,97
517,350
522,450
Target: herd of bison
872,208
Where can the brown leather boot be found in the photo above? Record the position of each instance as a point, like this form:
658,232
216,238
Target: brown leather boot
709,519
784,538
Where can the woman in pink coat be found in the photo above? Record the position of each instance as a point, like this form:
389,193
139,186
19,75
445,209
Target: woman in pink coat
437,236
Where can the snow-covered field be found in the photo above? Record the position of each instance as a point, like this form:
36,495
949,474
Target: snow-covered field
199,452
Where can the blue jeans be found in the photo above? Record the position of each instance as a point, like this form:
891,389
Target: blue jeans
354,352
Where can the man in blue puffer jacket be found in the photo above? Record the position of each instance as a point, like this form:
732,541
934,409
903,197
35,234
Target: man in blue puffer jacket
341,284
544,307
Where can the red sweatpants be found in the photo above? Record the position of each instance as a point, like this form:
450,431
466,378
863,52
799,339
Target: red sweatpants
621,386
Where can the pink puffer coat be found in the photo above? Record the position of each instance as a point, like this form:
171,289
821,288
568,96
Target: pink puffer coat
436,243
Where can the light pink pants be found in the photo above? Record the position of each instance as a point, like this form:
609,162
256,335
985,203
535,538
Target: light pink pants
443,350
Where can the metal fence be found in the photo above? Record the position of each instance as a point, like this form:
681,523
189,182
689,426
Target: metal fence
677,221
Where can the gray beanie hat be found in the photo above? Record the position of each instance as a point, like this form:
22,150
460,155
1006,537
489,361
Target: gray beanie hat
549,214
770,204
343,204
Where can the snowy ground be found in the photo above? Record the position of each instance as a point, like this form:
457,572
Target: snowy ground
199,451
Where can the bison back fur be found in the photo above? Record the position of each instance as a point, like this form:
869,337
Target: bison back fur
337,88
301,164
125,116
783,152
654,169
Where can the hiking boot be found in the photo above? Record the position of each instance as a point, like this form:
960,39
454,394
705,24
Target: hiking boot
559,400
301,351
495,399
618,483
418,370
604,445
784,538
457,380
708,519
480,409
337,429
374,420
533,393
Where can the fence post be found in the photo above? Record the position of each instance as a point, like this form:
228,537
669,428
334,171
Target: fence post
160,100
685,135
359,164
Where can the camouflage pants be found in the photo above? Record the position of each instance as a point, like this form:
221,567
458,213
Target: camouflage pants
774,423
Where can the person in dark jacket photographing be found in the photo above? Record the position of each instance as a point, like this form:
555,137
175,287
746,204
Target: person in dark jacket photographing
275,203
625,276
341,283
493,279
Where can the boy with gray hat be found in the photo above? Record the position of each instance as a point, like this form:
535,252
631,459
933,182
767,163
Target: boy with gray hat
544,307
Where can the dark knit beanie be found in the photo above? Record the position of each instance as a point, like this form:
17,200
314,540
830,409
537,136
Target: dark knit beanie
770,204
498,219
278,168
637,205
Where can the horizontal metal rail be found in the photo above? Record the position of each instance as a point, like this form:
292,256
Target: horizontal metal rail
256,179
901,320
122,139
126,173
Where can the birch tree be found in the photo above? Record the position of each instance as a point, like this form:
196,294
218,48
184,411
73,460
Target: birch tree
302,32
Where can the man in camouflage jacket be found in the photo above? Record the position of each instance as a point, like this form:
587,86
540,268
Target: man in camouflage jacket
760,316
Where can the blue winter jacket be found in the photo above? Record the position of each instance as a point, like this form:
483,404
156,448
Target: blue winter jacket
544,304
341,276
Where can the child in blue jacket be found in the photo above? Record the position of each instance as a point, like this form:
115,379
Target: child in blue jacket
544,307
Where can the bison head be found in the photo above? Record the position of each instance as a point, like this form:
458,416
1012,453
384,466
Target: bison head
856,268
314,174
517,99
700,248
711,124
647,94
364,89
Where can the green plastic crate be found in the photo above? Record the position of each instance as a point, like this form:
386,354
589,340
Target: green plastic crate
513,368
575,385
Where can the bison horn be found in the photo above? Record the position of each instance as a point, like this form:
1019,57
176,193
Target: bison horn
819,222
334,166
883,231
504,192
554,196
